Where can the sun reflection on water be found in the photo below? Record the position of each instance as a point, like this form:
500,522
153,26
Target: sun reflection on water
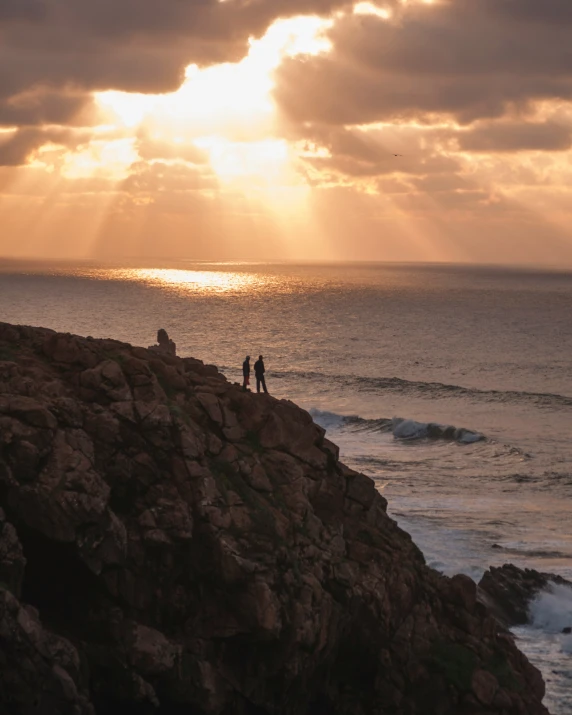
185,281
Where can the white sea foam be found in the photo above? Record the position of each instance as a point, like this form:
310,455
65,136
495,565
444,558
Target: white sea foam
409,429
468,437
551,610
328,420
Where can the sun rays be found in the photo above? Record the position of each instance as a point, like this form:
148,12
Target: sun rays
227,109
309,146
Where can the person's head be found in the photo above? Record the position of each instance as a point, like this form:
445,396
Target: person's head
162,336
247,358
260,357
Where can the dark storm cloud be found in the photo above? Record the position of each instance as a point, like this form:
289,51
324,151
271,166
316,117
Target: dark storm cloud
131,45
466,58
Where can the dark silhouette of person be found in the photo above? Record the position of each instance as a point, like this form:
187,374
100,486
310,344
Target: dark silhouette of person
165,343
259,372
246,372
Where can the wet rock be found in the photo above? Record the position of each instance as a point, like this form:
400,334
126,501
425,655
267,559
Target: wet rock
170,543
508,591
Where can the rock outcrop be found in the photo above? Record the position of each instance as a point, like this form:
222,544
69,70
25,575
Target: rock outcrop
171,544
509,590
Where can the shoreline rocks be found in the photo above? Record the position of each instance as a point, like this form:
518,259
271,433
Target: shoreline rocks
508,591
170,543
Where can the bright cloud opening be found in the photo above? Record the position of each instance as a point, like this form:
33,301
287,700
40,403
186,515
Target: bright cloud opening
368,8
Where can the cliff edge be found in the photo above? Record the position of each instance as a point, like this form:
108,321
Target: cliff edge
171,544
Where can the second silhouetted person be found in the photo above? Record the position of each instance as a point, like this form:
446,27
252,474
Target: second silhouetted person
246,373
259,372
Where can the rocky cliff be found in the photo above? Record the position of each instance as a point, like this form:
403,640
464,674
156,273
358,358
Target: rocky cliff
171,544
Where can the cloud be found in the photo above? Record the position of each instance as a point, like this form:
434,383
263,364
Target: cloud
360,153
16,147
466,59
160,178
149,149
543,11
438,133
49,46
442,183
18,10
517,136
46,107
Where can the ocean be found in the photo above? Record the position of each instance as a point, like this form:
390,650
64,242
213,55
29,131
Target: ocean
377,353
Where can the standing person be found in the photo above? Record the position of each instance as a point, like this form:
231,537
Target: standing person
259,372
246,372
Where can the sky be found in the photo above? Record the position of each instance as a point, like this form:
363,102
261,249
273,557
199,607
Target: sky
403,130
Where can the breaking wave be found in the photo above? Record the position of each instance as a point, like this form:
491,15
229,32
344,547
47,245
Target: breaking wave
402,429
551,610
410,429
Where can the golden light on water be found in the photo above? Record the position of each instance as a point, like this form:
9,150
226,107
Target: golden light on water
197,281
184,281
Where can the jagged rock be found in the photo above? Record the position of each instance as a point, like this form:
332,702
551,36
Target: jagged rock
170,543
41,671
149,652
508,591
12,561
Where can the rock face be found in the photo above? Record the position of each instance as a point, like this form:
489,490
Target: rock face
171,544
509,590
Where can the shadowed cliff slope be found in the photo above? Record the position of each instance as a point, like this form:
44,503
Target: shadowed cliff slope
171,544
